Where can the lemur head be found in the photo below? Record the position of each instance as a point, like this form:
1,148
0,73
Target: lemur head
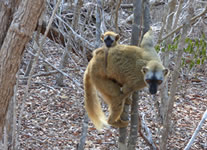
110,39
154,75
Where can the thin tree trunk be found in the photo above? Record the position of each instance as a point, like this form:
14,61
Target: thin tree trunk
18,35
136,27
117,14
81,144
146,20
123,131
147,17
134,122
164,91
136,32
167,119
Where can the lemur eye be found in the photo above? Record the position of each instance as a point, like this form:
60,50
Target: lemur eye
148,81
159,82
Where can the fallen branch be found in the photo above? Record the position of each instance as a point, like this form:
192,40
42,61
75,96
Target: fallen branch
181,26
148,139
196,131
60,71
48,73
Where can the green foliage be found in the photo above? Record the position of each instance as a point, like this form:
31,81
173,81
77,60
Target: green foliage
195,50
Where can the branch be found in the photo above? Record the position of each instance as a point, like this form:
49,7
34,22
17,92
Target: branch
60,71
46,73
126,6
181,26
148,139
196,131
75,33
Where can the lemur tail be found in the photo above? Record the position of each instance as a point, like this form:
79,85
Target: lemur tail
92,104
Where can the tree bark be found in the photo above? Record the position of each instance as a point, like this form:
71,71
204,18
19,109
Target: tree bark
19,33
5,15
7,8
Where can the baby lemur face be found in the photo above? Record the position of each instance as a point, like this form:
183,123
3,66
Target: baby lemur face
110,39
154,79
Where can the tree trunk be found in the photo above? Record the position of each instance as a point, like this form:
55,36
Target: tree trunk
175,75
18,34
136,30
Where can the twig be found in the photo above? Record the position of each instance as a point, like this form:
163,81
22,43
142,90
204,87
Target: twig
181,26
196,131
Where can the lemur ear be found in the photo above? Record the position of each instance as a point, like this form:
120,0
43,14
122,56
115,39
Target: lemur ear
102,37
117,37
166,72
144,70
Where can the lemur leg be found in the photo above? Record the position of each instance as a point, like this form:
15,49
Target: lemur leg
114,97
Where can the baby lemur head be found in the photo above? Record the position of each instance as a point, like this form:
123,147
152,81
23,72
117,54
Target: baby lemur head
154,75
110,39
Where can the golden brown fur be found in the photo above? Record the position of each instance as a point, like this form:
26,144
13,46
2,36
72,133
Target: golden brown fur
124,74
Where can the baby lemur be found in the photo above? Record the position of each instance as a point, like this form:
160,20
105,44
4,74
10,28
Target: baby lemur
129,68
110,40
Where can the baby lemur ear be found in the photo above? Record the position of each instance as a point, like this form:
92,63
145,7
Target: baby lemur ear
117,37
144,70
166,72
